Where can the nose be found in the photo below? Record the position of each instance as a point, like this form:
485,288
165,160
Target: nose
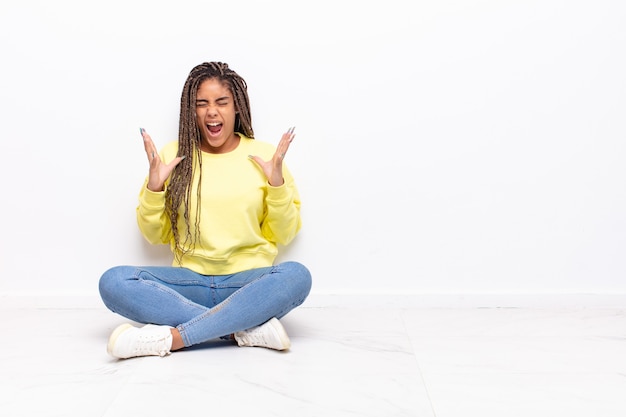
211,111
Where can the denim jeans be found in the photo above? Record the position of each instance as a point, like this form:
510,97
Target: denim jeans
204,307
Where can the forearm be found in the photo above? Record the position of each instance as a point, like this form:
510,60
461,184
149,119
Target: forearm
151,217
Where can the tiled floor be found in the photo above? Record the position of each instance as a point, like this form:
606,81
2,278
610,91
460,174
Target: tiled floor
346,359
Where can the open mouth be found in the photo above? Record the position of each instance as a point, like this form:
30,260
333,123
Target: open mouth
214,128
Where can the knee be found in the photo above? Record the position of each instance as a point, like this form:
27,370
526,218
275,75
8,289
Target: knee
111,282
300,277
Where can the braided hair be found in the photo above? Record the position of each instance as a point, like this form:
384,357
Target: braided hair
189,143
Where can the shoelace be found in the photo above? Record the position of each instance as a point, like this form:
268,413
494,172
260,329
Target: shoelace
149,344
260,337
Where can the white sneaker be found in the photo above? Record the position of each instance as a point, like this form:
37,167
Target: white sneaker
270,334
128,341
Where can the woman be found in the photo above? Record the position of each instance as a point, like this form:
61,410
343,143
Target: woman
223,201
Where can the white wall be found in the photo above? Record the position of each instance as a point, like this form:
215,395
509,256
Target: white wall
442,146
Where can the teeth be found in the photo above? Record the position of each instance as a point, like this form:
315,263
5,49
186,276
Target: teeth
213,124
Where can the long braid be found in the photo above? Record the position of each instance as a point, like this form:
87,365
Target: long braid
189,143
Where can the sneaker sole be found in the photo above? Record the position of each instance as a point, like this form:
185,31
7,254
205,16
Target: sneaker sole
116,333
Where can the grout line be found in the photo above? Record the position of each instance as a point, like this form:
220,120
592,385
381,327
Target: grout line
417,363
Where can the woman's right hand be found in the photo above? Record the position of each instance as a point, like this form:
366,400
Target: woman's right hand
159,171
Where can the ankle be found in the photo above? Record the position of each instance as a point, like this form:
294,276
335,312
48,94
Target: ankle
177,340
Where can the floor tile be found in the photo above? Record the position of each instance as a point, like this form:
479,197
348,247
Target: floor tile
347,359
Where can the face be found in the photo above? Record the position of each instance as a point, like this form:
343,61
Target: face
215,115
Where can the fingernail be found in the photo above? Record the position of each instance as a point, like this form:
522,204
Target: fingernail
250,156
141,131
183,157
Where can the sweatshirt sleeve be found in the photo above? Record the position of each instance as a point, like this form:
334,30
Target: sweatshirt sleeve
151,216
282,221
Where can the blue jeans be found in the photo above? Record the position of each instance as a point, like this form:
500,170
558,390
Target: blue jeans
204,307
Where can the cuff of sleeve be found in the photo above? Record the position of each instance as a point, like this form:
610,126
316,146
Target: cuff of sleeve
279,193
153,198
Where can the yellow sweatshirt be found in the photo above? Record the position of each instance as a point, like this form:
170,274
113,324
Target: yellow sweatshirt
242,220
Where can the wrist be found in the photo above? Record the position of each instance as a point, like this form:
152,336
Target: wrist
276,183
156,189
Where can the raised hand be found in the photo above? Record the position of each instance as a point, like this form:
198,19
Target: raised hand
273,169
159,171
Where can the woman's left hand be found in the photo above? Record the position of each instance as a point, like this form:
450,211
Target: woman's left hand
273,169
